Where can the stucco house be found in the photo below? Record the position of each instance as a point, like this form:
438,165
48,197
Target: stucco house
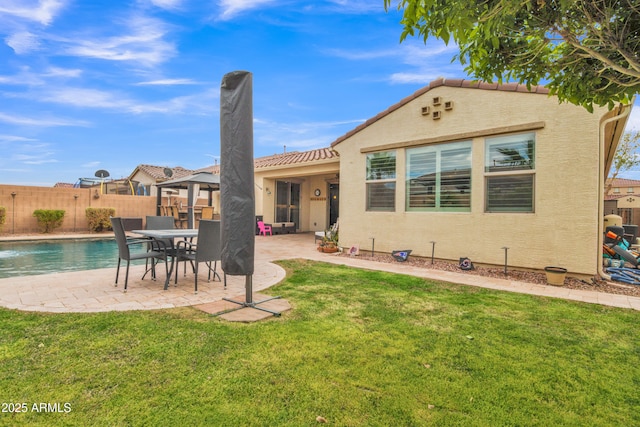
297,191
149,175
477,168
623,198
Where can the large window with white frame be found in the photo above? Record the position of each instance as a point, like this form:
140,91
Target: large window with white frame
510,173
439,177
381,181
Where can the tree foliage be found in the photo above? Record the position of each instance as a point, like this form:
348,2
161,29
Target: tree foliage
585,52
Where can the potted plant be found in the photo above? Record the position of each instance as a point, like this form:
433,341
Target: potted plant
329,243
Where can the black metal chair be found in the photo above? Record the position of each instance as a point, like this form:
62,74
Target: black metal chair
207,250
165,246
124,251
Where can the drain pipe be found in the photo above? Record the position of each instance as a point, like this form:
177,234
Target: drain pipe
625,112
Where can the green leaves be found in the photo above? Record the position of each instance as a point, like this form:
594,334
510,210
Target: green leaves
587,52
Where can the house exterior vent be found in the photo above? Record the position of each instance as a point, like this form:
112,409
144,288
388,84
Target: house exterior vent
448,105
437,100
425,111
436,115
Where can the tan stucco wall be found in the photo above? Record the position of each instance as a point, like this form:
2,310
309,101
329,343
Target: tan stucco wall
563,229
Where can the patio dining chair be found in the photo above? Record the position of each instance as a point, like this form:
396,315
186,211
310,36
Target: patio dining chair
207,212
125,253
175,212
207,249
264,228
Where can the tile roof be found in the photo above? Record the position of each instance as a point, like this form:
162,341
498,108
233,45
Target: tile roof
608,197
462,83
286,159
157,172
623,182
295,157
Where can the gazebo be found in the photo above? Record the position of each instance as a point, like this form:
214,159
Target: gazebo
193,184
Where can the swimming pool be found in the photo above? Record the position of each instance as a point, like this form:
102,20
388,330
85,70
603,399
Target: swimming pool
54,256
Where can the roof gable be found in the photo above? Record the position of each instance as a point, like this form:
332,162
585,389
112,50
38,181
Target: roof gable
460,83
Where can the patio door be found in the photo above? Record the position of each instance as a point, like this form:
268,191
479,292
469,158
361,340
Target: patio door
334,203
288,202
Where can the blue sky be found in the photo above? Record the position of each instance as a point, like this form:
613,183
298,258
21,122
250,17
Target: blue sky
103,84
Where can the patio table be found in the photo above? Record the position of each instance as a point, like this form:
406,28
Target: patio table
173,233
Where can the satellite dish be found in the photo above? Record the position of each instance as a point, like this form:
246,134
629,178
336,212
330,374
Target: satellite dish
168,172
102,173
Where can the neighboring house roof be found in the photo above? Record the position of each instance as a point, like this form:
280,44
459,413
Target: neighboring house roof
63,185
462,83
157,172
286,159
622,182
608,197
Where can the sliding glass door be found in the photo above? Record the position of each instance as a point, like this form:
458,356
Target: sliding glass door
288,202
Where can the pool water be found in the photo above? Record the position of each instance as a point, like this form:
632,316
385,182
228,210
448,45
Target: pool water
54,256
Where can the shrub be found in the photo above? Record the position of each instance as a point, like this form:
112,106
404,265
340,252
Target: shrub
49,219
3,216
99,218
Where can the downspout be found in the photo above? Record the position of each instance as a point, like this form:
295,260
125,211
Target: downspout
601,180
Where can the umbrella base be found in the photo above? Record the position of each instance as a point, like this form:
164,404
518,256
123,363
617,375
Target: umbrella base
249,298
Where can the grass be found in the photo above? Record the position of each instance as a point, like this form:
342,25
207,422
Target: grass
359,348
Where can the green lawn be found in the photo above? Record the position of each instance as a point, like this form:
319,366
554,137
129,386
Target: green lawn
359,348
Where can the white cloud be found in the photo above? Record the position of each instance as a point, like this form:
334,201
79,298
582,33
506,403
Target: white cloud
35,160
44,122
363,55
23,42
42,11
144,44
167,82
301,135
231,8
14,138
94,98
63,72
357,6
84,98
167,4
413,78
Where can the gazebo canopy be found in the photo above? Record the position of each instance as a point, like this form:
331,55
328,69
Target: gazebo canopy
207,181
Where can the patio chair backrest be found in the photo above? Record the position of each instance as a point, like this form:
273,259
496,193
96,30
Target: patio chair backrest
207,212
160,222
175,212
121,237
209,242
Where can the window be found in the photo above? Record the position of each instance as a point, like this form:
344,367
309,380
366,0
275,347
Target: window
630,190
439,178
381,181
509,173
